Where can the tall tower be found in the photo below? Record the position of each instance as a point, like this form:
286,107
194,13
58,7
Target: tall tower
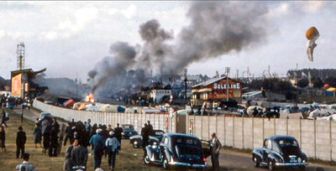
20,52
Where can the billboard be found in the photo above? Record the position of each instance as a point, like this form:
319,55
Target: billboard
17,85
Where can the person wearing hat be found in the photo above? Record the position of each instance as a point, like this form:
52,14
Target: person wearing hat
20,142
98,143
112,144
215,147
25,165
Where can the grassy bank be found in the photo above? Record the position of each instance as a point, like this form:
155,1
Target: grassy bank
129,158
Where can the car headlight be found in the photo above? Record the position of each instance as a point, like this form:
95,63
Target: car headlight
303,161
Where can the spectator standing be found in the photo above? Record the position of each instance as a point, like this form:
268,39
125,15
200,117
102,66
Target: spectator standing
4,117
145,137
67,161
215,147
79,156
25,165
112,144
54,139
68,134
150,128
20,142
98,144
37,135
117,131
3,137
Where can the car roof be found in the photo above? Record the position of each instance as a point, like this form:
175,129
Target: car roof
180,134
281,137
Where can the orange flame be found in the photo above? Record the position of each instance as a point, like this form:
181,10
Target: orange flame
90,98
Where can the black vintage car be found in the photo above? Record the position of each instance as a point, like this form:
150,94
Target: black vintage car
177,150
280,151
128,131
136,140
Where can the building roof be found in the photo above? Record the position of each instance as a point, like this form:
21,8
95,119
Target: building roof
29,71
210,81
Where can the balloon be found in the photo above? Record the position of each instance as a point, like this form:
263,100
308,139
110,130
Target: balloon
312,34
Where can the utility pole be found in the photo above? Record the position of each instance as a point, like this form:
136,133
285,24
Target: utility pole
227,69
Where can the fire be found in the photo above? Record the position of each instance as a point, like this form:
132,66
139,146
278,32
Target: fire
90,98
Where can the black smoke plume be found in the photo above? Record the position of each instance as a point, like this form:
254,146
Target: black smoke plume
215,29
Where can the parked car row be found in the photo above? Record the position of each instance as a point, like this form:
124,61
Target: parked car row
136,140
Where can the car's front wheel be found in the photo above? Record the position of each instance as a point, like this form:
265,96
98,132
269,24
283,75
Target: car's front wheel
146,160
256,161
271,165
135,144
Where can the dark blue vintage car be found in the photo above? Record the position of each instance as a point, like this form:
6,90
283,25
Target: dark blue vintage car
177,150
280,151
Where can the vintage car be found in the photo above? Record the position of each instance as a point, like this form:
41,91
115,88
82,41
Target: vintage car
136,140
177,150
128,131
280,151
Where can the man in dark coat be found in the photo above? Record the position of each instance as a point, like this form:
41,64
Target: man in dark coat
117,131
150,128
20,142
215,147
68,134
145,138
79,155
53,139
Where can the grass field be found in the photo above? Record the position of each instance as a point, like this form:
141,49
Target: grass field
128,159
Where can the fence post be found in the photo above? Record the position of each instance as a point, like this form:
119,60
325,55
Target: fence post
216,124
233,131
201,126
263,128
315,138
224,130
243,126
300,132
274,126
252,132
209,133
330,138
287,126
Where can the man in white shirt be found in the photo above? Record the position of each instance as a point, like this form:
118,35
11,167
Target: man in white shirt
25,165
112,144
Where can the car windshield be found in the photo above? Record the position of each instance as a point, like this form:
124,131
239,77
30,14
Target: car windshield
128,127
158,133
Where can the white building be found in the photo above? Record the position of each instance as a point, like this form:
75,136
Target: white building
158,94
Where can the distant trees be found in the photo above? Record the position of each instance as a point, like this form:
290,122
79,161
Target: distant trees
331,81
271,84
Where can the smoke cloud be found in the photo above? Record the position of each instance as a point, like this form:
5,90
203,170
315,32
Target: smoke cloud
215,29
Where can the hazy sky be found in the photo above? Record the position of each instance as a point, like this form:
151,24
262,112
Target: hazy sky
69,38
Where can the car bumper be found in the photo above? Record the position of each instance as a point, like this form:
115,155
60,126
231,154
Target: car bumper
291,164
183,164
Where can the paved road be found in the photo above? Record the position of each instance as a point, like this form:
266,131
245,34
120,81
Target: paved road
229,160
